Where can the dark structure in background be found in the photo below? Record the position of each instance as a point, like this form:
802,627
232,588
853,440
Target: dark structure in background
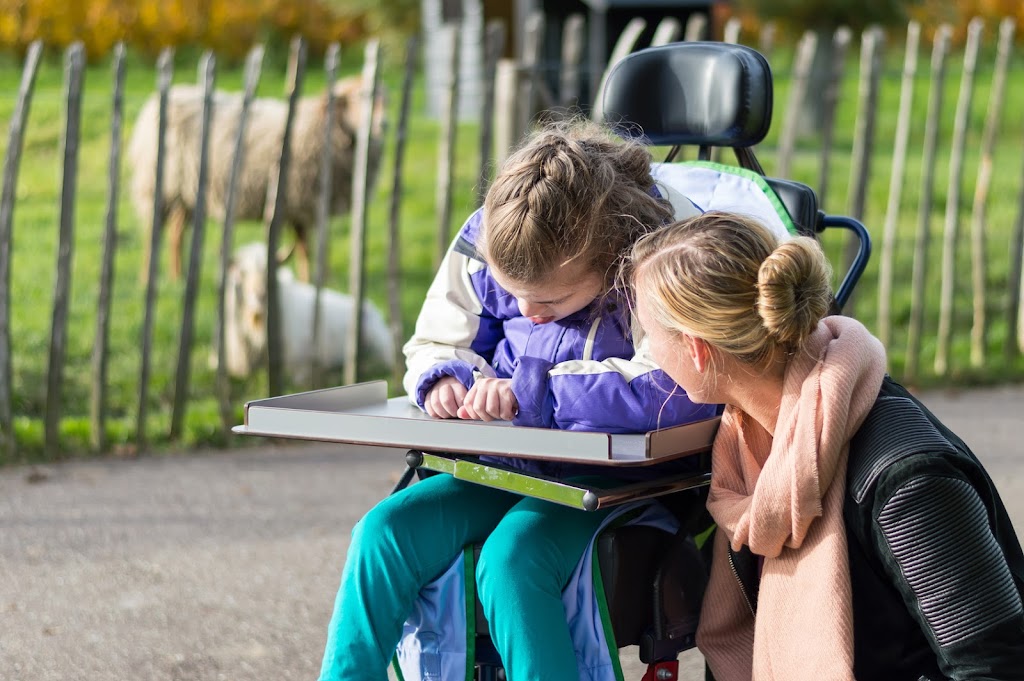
605,20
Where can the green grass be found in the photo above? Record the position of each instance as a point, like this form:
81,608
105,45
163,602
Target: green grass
36,226
34,257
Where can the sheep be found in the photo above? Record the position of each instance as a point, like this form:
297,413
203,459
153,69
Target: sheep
263,141
245,314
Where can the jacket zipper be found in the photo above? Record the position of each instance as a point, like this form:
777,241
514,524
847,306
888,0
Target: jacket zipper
743,589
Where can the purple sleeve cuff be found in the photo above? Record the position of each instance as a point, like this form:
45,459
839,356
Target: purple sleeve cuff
533,393
458,368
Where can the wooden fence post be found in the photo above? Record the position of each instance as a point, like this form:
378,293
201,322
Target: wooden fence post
940,49
164,70
183,371
623,46
74,74
446,157
394,248
573,41
668,31
98,401
494,46
12,163
731,32
360,197
899,160
840,48
253,64
872,44
506,85
323,210
1013,344
801,70
277,192
979,328
529,85
766,39
696,27
952,222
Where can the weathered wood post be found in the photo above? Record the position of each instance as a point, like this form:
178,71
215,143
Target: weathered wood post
801,70
394,247
183,372
494,46
922,238
446,155
12,163
277,193
830,102
164,69
899,161
98,401
323,209
360,197
74,75
253,65
956,168
979,214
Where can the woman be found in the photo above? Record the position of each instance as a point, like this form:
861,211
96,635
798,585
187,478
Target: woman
858,537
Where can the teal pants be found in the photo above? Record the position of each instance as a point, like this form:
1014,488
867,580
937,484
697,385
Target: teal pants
410,538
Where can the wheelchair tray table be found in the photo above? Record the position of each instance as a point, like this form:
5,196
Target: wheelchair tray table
362,414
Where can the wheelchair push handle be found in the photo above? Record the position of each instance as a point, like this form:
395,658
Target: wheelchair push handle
860,261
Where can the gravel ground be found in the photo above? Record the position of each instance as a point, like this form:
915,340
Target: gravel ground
223,565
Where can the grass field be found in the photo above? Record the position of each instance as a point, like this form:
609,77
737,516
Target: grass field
36,222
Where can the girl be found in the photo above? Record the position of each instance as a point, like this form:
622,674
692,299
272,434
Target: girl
858,537
521,323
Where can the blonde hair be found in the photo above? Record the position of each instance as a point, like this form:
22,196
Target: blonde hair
573,191
726,279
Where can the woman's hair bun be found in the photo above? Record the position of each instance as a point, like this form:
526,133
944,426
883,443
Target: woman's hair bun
793,292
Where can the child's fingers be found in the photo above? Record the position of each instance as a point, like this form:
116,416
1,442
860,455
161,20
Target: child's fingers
477,404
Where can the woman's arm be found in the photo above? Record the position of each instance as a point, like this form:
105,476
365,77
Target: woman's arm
614,395
935,541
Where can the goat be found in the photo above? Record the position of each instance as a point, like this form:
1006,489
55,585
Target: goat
245,328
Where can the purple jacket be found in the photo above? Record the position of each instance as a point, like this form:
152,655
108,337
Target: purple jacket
579,373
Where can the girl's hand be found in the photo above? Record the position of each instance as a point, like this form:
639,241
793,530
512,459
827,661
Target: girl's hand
490,399
445,398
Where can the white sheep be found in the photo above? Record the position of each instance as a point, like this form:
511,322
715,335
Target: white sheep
263,141
245,316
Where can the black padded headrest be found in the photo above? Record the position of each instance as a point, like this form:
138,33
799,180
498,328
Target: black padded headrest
699,93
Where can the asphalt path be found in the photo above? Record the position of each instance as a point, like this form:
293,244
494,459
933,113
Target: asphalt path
211,566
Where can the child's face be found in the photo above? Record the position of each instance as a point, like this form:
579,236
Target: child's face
569,289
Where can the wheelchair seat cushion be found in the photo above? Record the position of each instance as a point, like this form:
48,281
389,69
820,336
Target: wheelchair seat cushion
700,93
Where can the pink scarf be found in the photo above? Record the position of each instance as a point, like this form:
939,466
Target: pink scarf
804,625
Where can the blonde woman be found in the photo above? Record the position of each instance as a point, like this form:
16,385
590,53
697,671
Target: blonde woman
857,536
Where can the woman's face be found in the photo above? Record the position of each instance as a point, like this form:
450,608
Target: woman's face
671,351
568,290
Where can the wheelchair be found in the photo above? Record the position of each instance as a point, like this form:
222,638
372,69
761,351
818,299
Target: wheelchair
704,94
708,95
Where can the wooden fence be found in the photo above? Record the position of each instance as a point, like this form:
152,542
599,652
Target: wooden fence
517,93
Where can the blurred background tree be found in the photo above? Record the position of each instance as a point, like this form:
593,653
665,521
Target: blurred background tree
229,27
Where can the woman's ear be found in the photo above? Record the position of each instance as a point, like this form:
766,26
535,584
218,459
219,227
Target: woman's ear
700,353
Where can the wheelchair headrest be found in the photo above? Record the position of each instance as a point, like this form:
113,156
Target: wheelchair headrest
691,93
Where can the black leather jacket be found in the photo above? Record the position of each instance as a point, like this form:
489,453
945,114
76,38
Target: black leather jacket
936,568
